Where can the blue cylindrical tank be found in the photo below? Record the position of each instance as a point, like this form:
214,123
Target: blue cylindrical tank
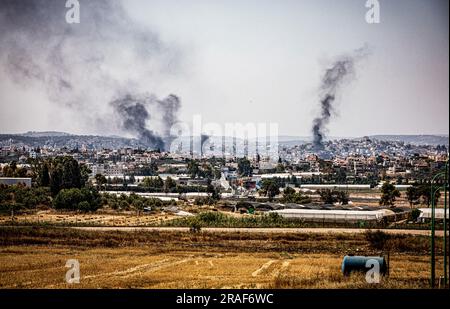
358,263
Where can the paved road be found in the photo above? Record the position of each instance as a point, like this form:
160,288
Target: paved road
260,230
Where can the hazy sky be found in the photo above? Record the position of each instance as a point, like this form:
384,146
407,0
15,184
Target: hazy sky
262,61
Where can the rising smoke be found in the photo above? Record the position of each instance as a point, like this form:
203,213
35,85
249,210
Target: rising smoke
203,139
105,60
334,78
135,116
169,108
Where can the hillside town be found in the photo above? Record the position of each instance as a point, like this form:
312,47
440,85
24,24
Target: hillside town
362,161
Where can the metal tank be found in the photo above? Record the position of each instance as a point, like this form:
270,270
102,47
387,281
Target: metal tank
358,264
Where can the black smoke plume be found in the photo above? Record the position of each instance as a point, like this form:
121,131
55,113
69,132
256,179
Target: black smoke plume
134,115
203,139
169,107
333,80
83,67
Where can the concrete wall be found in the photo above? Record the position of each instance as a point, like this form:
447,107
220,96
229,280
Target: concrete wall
15,181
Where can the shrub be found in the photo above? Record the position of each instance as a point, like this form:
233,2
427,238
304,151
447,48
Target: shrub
211,218
332,196
199,201
195,226
245,205
23,197
274,217
415,213
84,206
378,239
77,199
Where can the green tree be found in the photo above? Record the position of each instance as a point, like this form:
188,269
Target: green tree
100,180
425,193
329,196
288,191
12,170
22,197
132,179
55,181
420,193
45,176
244,167
213,191
84,206
77,199
388,194
65,173
343,197
413,195
85,171
294,181
290,196
169,185
280,168
270,188
153,182
217,173
193,168
71,173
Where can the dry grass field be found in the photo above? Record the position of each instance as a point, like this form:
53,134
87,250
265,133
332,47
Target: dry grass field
36,258
52,217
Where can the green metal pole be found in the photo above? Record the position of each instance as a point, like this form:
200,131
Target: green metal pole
433,270
445,222
433,252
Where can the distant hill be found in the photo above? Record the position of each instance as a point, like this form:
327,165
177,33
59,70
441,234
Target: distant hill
415,139
45,133
58,139
62,139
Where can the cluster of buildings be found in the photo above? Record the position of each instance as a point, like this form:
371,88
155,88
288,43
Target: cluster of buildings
347,161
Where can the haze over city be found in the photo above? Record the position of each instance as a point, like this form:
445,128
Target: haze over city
224,151
246,61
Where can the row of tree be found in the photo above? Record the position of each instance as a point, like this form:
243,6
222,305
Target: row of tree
22,197
416,194
12,170
64,182
60,173
421,194
132,202
204,170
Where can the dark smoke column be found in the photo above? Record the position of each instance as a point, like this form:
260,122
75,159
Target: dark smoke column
333,80
203,139
170,107
134,115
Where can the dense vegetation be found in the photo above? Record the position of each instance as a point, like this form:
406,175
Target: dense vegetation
232,241
58,182
269,220
133,202
291,196
333,196
388,194
14,198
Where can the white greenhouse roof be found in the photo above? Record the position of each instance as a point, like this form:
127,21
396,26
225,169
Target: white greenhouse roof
426,213
332,214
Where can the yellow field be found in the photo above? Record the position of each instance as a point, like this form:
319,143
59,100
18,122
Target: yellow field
72,218
130,267
36,258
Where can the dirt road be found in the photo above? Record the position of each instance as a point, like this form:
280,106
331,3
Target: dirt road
260,230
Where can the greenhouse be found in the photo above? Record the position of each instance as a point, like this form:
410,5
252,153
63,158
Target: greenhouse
323,215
